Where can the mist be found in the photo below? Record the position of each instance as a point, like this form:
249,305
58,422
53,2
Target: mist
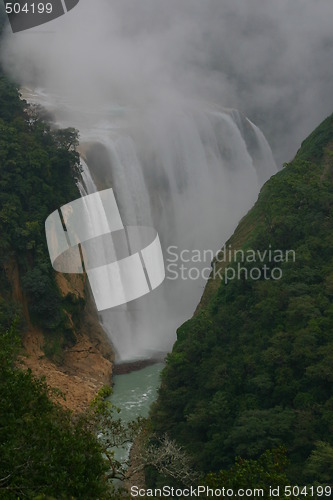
270,59
154,85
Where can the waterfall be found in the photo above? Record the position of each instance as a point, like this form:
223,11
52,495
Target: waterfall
192,175
87,186
190,171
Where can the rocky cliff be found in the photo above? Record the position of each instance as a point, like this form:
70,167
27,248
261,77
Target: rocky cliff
61,335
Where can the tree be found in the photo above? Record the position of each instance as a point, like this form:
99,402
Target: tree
168,459
151,452
319,466
268,471
38,167
43,449
103,420
252,369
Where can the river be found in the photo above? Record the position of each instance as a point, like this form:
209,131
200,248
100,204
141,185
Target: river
133,393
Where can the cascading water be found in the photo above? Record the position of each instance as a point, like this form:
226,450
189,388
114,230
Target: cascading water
192,175
192,172
87,186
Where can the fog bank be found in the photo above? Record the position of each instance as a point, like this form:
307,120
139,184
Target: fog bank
272,60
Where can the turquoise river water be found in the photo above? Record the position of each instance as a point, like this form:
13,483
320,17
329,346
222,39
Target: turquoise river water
133,393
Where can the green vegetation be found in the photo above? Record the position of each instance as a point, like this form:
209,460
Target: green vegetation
46,452
37,175
265,473
252,370
43,449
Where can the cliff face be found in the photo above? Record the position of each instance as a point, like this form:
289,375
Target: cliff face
62,338
82,368
85,367
252,370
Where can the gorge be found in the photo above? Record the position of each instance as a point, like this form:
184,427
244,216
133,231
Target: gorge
167,171
157,101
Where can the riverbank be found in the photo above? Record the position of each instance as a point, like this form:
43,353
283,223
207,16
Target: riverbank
134,393
85,367
132,366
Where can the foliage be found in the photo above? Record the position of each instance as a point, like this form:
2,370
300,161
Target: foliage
38,167
163,455
265,473
43,450
320,463
252,370
313,147
104,421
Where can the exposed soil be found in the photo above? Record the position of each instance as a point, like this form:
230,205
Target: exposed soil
83,372
86,366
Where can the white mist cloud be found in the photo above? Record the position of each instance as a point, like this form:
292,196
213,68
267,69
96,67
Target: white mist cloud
271,59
